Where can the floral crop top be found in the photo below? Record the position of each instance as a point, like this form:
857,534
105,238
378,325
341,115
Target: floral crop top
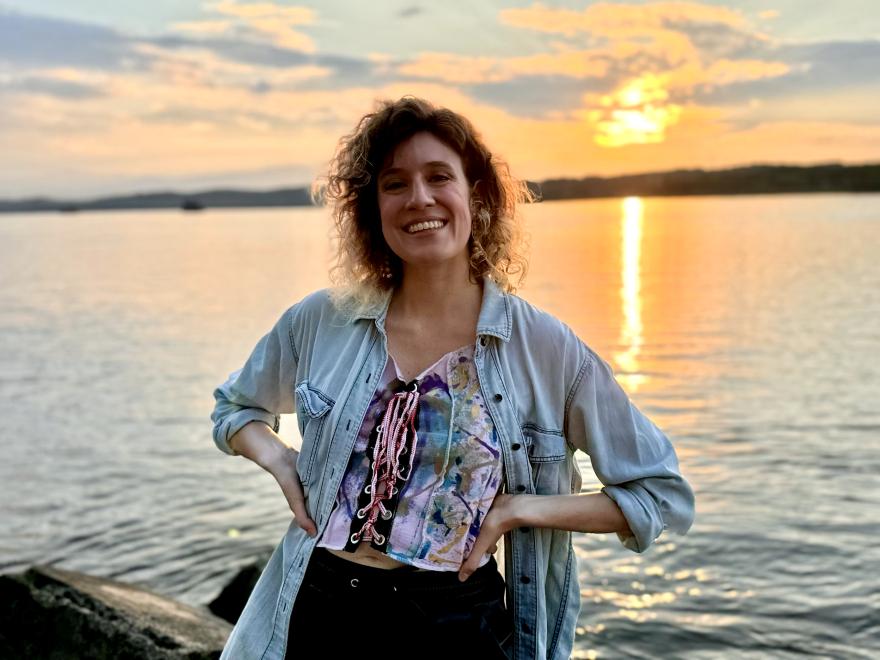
455,472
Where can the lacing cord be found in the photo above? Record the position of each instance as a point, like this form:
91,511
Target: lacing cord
395,438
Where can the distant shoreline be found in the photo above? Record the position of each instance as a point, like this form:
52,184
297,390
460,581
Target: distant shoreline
753,180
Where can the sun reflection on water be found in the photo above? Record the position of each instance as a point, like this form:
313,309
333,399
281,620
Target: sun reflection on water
630,293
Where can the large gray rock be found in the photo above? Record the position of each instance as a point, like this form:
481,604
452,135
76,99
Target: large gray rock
231,601
50,614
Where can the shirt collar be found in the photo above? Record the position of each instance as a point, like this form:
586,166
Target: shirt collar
495,317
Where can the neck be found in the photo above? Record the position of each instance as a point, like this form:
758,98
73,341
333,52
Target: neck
441,292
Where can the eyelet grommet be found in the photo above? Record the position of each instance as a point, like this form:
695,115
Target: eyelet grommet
354,582
368,489
380,540
354,538
387,515
361,514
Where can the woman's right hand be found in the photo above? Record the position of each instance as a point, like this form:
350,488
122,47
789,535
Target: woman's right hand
259,443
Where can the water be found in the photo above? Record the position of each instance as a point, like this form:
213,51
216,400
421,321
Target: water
747,328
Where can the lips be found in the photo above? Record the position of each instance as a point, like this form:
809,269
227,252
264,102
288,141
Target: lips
424,225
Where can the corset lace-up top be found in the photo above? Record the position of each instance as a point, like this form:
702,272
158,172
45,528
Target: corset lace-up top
444,488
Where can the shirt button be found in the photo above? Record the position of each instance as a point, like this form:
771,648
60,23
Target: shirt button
524,580
498,397
526,629
515,446
520,488
484,341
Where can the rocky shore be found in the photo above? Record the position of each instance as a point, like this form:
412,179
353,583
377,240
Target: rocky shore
48,613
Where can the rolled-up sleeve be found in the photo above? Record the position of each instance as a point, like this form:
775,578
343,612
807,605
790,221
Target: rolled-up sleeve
262,390
635,462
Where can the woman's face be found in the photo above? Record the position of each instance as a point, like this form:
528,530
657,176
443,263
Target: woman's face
424,202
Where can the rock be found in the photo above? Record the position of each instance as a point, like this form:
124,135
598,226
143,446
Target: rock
231,601
47,613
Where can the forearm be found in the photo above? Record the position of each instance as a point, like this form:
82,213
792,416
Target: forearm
260,444
591,513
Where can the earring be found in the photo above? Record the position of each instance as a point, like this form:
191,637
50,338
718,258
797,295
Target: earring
483,216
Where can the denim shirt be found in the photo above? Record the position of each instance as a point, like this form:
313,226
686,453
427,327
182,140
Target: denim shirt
548,394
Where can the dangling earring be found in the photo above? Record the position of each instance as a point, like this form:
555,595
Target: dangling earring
483,216
387,273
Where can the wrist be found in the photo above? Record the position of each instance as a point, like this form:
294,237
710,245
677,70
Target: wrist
527,511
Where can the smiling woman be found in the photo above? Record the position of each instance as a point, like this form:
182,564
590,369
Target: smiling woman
438,412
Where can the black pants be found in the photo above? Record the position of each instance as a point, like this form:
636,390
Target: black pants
345,610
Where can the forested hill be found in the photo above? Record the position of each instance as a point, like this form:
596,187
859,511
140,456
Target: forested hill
755,180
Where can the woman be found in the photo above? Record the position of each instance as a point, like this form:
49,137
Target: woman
439,413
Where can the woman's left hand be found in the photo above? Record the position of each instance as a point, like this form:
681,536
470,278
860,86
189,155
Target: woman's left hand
500,519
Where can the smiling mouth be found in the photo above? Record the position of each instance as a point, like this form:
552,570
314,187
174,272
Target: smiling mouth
425,226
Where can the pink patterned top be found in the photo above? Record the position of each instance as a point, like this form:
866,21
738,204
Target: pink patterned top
456,468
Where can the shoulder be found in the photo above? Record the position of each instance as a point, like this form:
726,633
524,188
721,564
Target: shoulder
536,324
547,344
312,313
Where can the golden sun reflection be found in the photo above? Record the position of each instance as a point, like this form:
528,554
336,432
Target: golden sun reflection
630,293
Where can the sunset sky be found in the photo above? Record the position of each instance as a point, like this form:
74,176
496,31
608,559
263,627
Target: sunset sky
102,97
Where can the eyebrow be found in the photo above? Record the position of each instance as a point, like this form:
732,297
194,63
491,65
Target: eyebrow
433,163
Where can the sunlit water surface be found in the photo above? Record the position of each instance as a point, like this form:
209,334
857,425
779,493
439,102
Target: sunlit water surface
747,328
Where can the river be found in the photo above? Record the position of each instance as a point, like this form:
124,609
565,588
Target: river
747,328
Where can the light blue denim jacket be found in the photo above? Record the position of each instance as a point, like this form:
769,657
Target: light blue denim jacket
548,395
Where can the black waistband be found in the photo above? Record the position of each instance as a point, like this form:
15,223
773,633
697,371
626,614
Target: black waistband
346,574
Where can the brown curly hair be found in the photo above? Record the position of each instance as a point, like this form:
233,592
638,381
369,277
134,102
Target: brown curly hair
365,266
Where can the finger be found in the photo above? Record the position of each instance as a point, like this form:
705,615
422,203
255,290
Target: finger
485,540
301,514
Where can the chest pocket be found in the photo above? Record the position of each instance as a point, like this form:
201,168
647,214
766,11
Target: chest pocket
547,453
312,407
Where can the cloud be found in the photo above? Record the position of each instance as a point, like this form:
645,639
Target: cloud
617,19
409,12
205,27
59,88
453,68
33,42
258,22
293,15
638,65
602,91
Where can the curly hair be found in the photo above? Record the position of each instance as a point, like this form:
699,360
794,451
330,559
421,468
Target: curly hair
365,267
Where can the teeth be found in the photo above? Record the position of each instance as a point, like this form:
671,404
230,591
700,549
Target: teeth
433,224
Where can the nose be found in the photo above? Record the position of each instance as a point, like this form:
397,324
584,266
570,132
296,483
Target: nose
419,195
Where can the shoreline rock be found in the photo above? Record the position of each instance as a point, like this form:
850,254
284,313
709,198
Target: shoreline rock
47,612
231,601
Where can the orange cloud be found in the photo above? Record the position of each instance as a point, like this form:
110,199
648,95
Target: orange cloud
204,27
293,15
616,19
452,68
263,18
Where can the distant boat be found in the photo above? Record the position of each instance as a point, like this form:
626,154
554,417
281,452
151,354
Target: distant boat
191,205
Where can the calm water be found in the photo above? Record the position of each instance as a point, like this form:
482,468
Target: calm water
747,328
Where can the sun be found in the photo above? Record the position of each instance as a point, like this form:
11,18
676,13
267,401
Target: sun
638,113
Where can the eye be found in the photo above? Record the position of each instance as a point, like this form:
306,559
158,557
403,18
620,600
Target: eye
392,185
440,176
